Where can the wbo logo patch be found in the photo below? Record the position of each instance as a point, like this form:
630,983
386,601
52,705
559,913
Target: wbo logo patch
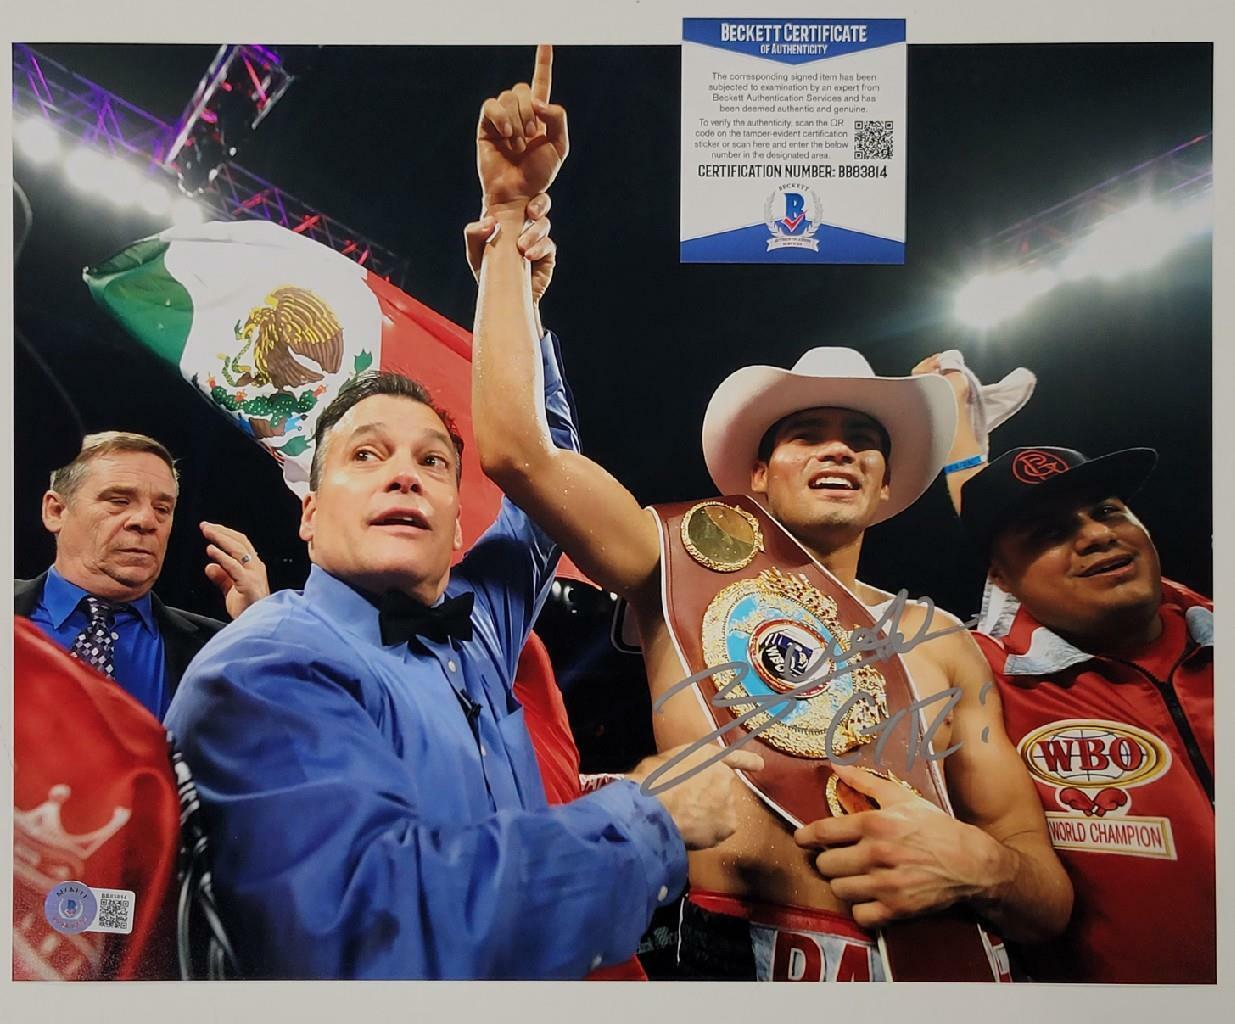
789,633
1090,765
1094,754
783,651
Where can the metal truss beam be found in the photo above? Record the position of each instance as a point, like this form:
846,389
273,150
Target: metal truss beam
85,110
92,114
256,69
1181,172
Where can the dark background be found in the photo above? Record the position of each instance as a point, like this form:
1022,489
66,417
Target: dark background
381,138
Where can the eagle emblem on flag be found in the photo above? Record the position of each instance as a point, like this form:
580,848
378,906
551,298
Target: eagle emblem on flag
291,320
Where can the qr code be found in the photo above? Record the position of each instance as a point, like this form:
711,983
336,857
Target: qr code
112,912
115,911
872,140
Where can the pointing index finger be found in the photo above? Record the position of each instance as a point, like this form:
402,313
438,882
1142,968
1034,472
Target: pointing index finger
542,76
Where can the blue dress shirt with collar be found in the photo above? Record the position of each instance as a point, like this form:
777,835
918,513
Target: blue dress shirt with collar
364,829
140,666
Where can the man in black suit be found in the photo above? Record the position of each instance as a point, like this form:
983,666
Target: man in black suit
111,512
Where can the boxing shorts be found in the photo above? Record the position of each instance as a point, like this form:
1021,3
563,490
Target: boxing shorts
722,938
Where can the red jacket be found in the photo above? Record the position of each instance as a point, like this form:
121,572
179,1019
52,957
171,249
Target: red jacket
108,815
94,801
1122,752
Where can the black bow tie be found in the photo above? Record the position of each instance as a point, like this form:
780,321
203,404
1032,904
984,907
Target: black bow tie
400,618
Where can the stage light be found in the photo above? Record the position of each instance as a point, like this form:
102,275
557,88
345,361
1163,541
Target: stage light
82,168
1128,242
972,306
38,139
186,213
989,299
120,181
154,197
1195,216
1124,243
1135,239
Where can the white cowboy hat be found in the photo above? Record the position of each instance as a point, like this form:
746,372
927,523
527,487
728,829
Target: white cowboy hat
919,414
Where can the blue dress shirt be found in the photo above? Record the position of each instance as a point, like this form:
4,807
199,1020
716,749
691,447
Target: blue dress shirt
363,829
140,666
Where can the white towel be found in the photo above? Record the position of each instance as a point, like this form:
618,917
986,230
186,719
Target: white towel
991,404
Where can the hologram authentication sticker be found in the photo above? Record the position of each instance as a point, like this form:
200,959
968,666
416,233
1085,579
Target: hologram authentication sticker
74,907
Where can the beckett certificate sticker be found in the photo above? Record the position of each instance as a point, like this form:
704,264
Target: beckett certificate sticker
793,140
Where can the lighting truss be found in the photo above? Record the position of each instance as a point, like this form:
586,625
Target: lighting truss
85,110
1121,226
256,69
92,114
1181,173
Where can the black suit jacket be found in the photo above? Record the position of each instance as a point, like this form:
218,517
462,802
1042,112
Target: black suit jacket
184,633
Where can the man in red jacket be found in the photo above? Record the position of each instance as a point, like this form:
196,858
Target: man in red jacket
1105,671
111,869
107,817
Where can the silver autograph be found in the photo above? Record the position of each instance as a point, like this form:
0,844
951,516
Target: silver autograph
870,643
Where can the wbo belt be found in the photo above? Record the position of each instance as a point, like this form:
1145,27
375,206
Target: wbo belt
739,589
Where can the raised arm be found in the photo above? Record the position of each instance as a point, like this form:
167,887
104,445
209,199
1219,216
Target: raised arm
521,143
965,444
537,247
980,408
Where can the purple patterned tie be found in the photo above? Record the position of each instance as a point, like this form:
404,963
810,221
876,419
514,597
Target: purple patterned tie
96,645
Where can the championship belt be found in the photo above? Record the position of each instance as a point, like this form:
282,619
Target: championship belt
739,589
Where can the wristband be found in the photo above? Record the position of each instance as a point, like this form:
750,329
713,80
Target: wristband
969,463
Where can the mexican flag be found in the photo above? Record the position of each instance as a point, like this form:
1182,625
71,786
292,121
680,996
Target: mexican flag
268,325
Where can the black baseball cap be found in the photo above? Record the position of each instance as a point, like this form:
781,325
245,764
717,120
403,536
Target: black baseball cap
1009,489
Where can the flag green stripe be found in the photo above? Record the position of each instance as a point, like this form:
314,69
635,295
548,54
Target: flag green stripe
136,288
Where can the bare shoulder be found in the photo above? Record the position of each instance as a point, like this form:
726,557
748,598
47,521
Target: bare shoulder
900,611
933,633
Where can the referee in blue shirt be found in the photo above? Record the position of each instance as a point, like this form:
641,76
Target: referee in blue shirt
363,765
